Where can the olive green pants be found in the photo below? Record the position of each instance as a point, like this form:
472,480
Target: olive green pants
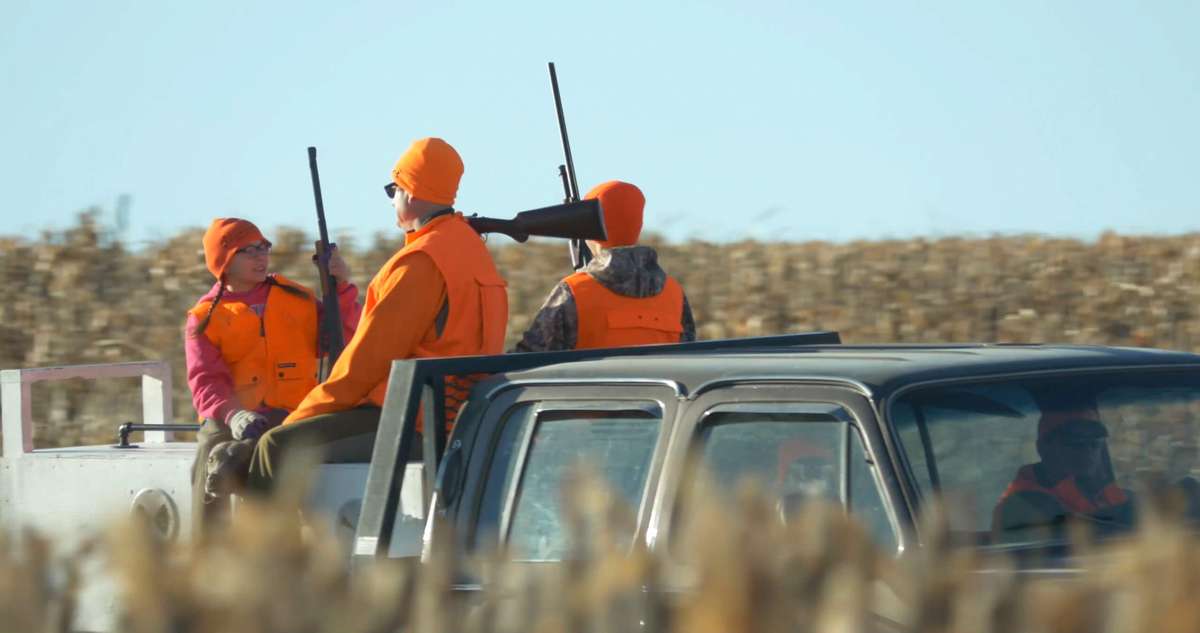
342,437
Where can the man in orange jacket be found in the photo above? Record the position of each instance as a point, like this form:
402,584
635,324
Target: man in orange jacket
622,297
1074,479
439,295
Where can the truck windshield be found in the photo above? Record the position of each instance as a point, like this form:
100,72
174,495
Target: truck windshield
1015,461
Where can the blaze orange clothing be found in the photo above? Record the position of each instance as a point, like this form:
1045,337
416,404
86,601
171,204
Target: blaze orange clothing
1066,492
429,170
222,240
439,295
276,375
607,319
622,204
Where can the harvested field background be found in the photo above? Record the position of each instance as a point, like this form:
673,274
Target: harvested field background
79,296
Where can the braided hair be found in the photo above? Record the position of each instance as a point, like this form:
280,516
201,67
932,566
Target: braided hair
288,288
203,324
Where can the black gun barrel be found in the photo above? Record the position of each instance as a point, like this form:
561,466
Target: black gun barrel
580,255
316,183
331,318
562,131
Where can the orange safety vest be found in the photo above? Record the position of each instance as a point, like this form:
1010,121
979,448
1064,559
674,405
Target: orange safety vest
475,292
607,319
273,359
1066,492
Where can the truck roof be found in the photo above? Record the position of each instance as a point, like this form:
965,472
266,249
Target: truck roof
880,369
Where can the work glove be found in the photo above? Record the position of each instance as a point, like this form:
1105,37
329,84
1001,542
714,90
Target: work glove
248,425
337,266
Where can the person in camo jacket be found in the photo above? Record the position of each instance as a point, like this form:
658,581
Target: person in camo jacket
622,297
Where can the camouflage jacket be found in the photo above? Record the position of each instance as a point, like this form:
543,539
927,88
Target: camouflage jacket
631,271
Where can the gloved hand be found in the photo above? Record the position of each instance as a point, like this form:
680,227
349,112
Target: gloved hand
337,265
248,425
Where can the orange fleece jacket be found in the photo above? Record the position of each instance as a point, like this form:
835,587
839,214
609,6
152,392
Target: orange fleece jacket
401,306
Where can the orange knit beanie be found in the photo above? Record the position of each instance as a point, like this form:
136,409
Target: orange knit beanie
429,170
222,240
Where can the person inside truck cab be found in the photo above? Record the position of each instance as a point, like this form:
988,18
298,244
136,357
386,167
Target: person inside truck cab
622,297
439,295
1073,479
805,473
250,344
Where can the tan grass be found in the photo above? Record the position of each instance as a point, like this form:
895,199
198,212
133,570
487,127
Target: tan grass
735,568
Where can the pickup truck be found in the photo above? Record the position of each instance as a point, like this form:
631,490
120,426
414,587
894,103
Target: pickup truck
882,430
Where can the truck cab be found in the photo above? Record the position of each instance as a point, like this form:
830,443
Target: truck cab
884,431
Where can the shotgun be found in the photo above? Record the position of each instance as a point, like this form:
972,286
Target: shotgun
580,255
330,331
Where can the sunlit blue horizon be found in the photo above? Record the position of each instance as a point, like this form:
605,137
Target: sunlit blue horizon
769,120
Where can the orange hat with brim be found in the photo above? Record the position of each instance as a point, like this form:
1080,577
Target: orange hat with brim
1086,420
622,205
223,239
430,170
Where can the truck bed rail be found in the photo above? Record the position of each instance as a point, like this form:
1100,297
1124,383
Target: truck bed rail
16,386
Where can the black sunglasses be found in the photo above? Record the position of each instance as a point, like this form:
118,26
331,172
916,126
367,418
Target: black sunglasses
1080,443
390,188
261,248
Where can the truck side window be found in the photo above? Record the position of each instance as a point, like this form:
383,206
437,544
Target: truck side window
796,453
794,457
538,450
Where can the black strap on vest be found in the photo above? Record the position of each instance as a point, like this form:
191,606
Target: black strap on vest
443,314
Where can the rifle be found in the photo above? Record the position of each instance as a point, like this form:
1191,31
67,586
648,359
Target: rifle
330,332
576,221
580,255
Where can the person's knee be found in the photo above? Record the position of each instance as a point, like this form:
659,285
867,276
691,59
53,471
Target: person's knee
264,449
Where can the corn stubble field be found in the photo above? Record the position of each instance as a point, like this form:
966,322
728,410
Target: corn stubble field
76,296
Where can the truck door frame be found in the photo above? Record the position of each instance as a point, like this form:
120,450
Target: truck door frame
554,396
852,397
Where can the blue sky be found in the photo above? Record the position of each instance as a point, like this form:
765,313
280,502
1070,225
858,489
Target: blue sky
770,120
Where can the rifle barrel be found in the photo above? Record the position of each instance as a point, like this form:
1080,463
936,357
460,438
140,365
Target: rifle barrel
562,131
331,318
580,255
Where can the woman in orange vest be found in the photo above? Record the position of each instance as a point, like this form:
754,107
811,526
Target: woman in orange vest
622,297
251,344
